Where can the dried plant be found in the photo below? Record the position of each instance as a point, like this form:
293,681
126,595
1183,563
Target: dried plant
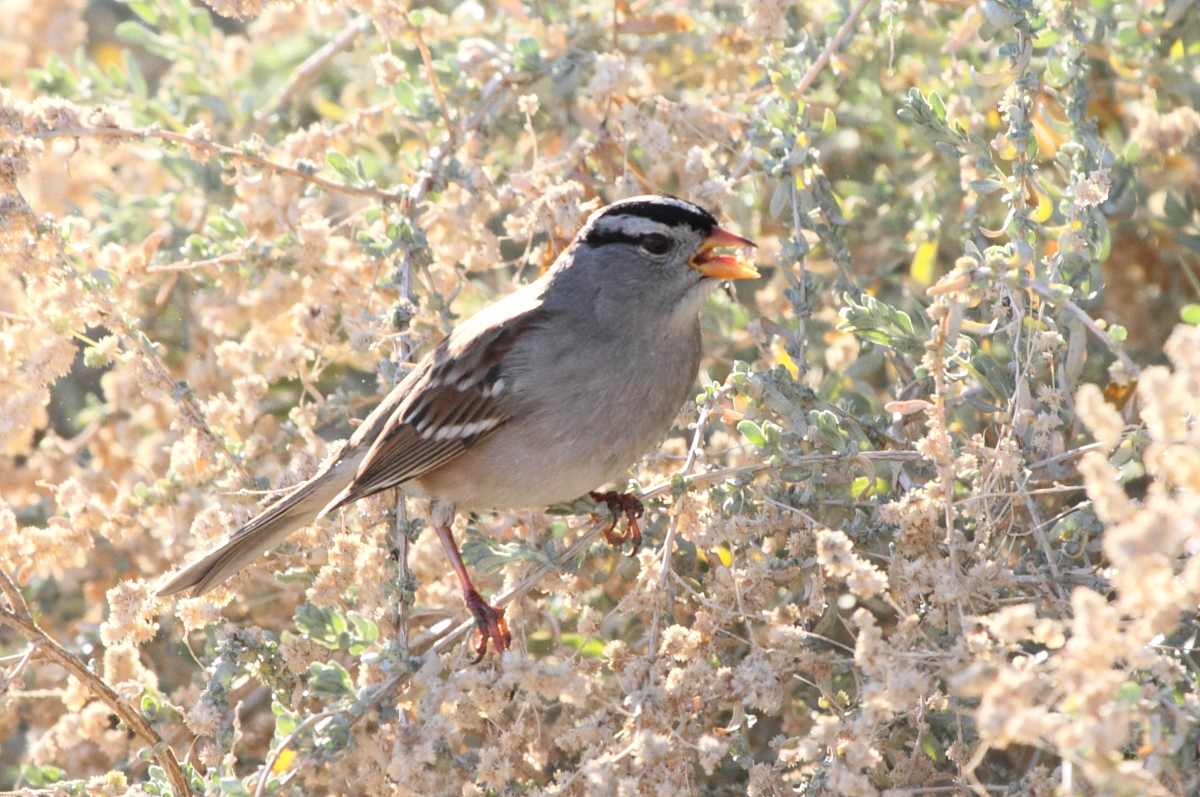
932,525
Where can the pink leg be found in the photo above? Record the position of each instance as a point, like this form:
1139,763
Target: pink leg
489,621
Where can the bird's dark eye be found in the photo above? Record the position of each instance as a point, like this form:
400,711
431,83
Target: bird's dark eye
655,244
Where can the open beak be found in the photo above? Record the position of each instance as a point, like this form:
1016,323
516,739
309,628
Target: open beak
723,267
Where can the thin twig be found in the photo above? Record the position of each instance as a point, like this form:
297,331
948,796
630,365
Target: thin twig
1088,322
1043,542
706,412
665,571
189,265
212,148
410,201
190,406
308,70
269,764
427,58
20,620
834,45
801,338
7,680
940,430
1191,275
905,792
401,550
810,75
1074,452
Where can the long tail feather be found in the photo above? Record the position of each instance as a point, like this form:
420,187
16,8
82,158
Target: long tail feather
263,532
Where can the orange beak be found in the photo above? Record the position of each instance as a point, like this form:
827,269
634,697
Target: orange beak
723,267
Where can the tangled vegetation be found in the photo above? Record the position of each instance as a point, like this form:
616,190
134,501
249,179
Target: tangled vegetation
931,526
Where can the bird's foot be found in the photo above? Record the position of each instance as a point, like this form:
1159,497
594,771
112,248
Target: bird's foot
631,507
489,625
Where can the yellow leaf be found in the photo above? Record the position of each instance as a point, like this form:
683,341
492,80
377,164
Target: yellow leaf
1004,148
1047,139
785,359
329,110
1044,208
106,54
923,263
284,761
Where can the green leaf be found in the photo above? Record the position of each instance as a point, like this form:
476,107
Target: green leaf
147,12
406,96
39,777
1047,37
829,123
365,628
528,55
1057,74
997,379
751,431
137,33
591,648
986,186
233,787
780,196
1177,215
341,164
323,626
137,82
1129,693
1190,314
939,107
285,721
202,22
330,680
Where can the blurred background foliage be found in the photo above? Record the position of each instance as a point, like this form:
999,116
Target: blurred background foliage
931,525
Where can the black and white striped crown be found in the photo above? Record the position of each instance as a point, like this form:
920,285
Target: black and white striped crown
621,217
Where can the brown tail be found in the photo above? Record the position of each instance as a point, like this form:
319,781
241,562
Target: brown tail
297,509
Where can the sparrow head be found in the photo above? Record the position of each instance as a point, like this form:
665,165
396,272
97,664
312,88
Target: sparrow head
661,245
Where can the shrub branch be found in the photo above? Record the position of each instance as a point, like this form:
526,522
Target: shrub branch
212,148
19,619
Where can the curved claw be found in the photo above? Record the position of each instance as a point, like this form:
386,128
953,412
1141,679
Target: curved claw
489,625
632,508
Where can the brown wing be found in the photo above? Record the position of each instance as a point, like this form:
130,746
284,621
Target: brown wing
453,400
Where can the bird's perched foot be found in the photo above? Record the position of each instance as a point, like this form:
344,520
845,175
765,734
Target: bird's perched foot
489,625
631,507
489,621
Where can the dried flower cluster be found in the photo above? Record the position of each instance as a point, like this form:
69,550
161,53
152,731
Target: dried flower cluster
931,526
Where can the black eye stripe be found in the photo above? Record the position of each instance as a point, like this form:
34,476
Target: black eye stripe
603,239
597,238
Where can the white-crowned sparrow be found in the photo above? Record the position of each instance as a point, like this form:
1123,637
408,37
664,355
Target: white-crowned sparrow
538,398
